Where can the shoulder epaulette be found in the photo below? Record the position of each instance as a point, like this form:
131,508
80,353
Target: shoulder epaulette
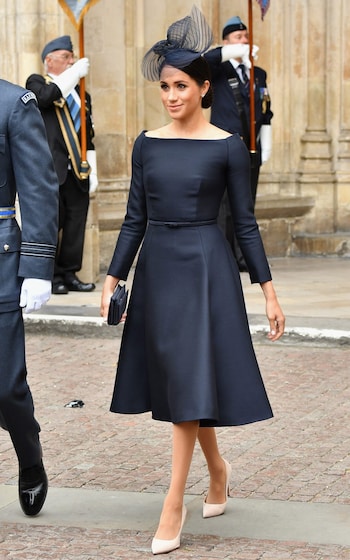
27,97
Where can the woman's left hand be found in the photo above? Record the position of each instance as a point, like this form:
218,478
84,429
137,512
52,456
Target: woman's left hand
276,319
273,311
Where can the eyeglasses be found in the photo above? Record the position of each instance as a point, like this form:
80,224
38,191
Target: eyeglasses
64,56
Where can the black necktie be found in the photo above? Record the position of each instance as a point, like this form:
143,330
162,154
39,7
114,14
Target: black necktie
245,79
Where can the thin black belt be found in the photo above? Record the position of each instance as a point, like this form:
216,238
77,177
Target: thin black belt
7,212
182,224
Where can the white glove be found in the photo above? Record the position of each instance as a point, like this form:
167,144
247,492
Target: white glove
70,77
266,142
239,51
34,293
255,50
93,179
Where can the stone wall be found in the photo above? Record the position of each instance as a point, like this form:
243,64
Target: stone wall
303,203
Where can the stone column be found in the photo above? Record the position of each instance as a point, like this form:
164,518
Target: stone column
111,44
8,41
31,25
316,175
343,85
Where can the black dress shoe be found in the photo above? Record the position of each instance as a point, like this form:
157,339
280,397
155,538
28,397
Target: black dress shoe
32,489
75,285
59,288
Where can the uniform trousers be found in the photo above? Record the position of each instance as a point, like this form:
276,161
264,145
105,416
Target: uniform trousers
16,402
73,209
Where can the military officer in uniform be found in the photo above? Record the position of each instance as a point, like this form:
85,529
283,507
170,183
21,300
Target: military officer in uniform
59,102
27,257
230,68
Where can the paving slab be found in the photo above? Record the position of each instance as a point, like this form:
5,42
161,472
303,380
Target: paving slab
244,518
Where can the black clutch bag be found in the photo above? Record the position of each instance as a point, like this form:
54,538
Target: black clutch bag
117,305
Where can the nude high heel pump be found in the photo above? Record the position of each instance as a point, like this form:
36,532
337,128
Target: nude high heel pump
161,546
213,510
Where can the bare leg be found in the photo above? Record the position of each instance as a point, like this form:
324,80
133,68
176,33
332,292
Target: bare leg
184,439
216,465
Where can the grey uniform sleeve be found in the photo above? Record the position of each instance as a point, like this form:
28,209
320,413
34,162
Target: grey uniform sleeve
37,188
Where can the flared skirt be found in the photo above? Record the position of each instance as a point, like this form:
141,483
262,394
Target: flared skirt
186,351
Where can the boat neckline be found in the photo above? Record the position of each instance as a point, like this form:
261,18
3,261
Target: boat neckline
183,138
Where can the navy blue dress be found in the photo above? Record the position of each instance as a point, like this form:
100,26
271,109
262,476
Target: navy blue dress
186,351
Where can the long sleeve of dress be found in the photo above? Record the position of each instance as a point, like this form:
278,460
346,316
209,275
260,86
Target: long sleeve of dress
134,226
241,204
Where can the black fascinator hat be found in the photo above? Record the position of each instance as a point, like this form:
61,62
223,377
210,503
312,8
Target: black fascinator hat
186,40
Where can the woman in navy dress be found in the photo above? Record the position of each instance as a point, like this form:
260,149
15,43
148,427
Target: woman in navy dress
186,352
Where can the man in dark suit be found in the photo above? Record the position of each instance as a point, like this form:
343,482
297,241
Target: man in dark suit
230,68
27,256
59,102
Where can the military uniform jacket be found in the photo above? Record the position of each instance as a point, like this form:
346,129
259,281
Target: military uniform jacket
26,168
47,94
224,112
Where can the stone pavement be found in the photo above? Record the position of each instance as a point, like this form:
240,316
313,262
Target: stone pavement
290,493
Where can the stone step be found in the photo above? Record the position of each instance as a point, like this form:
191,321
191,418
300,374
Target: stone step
269,207
321,244
276,216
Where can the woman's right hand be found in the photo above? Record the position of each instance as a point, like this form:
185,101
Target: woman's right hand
107,291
